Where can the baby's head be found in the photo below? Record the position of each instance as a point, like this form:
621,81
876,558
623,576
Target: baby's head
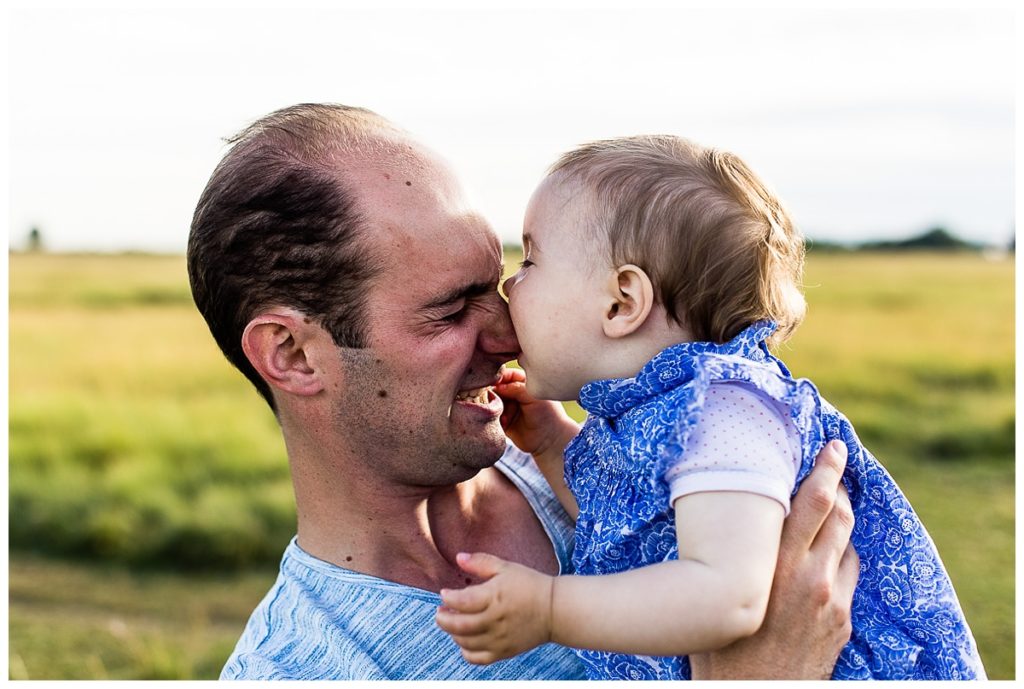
714,246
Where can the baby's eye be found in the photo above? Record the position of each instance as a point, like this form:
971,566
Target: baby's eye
525,263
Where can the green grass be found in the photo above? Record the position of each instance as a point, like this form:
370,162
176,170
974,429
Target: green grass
135,448
131,439
74,621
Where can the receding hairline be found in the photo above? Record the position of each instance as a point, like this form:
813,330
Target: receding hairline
314,129
330,137
341,141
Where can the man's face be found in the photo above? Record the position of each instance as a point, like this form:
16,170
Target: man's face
418,399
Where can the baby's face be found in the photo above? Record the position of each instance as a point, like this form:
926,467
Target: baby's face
556,298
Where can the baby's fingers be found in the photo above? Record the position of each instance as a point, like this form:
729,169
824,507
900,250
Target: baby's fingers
481,657
461,627
514,391
481,649
476,642
468,600
514,388
482,565
511,375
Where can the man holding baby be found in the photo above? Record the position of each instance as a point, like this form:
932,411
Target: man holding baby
340,268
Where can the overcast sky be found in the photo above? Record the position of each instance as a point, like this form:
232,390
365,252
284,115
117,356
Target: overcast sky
868,123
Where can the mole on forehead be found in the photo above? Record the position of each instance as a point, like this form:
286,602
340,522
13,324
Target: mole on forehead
403,168
391,157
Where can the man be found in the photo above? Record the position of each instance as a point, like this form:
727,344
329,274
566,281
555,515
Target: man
340,268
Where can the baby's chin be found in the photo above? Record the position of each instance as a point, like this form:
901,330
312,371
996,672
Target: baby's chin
539,390
535,388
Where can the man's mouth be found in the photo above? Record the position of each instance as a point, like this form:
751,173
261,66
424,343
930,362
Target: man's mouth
477,395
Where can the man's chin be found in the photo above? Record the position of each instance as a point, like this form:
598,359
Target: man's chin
485,449
496,442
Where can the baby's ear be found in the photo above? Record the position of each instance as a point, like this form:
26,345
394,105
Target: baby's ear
631,300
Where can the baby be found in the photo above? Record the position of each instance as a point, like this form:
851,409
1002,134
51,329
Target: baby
657,273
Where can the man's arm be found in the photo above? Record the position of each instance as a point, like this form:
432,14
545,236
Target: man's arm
808,618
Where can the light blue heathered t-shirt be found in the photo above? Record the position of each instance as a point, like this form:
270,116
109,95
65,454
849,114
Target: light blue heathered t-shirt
320,621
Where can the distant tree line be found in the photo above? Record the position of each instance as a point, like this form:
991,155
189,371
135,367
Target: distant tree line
933,239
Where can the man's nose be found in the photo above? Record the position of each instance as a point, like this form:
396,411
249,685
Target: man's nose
499,335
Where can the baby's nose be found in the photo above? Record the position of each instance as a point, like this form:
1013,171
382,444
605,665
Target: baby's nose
506,287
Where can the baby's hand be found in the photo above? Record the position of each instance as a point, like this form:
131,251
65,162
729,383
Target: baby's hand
535,426
506,615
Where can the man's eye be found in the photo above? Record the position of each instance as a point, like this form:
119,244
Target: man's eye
453,316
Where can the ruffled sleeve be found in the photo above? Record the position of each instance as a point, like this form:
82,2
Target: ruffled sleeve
743,442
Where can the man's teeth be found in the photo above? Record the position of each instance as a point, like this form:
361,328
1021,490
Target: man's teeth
479,395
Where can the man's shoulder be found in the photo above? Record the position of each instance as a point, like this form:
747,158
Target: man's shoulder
254,666
255,655
294,633
520,468
516,459
331,624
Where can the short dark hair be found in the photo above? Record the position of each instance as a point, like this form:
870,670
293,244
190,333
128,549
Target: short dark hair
276,226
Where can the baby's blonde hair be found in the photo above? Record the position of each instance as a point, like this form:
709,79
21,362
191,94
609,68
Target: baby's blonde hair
718,245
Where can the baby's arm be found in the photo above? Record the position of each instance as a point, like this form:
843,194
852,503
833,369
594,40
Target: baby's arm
808,618
540,427
714,594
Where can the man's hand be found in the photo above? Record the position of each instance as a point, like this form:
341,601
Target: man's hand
536,426
808,618
506,615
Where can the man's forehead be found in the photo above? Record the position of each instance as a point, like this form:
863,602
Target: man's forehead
420,224
464,243
433,278
378,163
407,192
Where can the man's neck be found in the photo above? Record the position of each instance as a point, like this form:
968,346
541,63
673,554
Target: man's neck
411,535
384,533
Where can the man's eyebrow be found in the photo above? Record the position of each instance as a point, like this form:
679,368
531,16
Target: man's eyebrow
475,289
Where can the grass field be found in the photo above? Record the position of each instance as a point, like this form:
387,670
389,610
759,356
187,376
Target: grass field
149,495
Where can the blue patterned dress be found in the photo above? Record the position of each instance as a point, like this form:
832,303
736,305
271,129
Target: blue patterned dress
907,622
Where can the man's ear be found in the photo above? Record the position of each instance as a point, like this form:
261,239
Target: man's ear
278,345
632,298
